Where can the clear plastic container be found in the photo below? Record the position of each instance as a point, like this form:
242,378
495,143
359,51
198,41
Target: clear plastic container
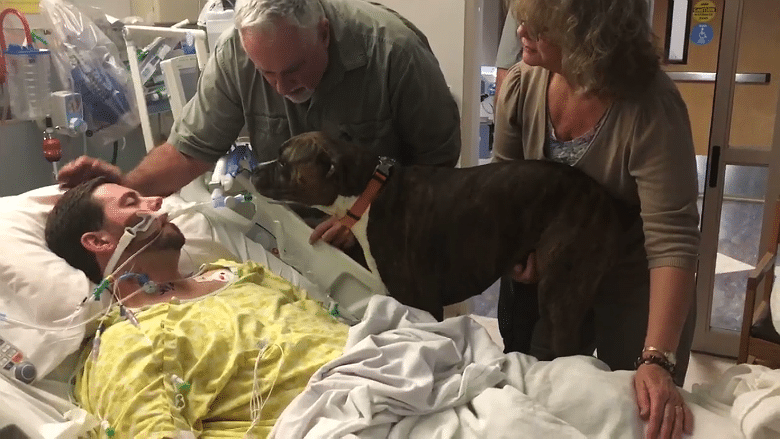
28,81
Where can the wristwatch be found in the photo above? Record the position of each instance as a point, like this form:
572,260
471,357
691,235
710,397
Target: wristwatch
651,355
668,355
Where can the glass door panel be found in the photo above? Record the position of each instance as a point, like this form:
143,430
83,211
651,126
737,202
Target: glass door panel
728,77
741,218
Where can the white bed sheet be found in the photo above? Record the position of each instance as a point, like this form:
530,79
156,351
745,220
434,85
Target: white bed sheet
404,375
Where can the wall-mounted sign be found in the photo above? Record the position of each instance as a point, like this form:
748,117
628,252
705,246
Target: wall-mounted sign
703,11
678,28
702,34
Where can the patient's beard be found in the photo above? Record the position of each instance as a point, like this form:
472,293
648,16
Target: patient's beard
170,238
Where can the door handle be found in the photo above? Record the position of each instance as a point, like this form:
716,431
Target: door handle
712,171
741,78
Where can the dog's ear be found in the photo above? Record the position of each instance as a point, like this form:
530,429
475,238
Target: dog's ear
327,156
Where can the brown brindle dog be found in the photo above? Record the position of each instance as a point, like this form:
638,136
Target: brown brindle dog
437,236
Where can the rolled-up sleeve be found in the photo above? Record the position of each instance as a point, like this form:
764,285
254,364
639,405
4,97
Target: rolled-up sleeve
213,118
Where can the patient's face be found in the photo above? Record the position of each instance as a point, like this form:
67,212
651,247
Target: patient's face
122,207
292,60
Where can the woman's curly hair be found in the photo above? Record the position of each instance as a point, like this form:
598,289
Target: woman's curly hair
607,46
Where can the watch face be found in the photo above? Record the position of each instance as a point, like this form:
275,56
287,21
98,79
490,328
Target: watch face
668,355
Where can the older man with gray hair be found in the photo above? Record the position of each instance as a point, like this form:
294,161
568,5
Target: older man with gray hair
290,66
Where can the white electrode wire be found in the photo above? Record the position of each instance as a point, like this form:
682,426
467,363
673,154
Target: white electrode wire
257,403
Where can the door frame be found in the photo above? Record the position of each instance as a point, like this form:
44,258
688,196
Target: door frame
706,337
720,154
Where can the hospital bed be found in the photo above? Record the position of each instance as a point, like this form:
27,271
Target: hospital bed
476,390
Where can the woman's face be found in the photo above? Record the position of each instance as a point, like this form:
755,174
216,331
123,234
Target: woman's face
538,50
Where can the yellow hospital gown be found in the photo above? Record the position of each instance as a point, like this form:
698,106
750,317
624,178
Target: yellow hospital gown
212,344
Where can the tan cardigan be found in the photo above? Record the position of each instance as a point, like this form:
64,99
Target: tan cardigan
643,154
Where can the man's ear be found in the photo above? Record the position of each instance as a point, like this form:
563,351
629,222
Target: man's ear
98,242
323,31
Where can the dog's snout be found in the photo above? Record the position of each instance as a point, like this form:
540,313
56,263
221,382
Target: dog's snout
262,177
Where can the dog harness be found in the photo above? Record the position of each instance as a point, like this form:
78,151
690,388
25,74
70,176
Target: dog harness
381,173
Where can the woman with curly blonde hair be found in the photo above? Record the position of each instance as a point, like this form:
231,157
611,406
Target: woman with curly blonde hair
590,92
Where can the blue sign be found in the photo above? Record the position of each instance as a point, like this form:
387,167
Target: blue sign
702,34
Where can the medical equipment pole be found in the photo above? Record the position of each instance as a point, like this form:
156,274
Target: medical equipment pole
131,32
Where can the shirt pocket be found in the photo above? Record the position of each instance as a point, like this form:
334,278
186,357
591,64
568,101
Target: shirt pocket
366,132
267,134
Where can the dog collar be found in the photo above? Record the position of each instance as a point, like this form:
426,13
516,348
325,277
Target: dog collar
365,199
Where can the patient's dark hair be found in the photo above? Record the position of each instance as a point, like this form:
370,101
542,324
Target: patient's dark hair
74,214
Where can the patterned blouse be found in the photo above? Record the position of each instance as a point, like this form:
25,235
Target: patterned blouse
569,151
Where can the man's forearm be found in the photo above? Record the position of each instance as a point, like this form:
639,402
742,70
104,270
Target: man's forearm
164,171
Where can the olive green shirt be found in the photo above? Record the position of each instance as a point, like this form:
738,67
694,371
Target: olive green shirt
642,153
383,88
510,50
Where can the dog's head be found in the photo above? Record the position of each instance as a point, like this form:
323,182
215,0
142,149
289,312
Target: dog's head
313,169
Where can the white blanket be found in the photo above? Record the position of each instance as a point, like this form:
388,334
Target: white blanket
404,375
751,394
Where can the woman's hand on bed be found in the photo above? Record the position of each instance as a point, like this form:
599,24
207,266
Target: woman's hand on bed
86,168
661,404
334,233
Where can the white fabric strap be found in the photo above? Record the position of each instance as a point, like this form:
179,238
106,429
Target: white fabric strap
124,241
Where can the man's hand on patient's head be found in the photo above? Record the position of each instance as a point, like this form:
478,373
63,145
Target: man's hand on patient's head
86,168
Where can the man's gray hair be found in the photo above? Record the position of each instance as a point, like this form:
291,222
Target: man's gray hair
261,14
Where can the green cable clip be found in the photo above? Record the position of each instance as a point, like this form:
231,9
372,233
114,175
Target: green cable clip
102,287
180,384
38,37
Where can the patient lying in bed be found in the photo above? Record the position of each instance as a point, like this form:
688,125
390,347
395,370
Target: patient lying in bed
220,353
233,350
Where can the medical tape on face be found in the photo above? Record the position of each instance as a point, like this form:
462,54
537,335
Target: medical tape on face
145,223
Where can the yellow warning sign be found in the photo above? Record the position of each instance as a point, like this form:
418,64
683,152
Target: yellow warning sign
704,10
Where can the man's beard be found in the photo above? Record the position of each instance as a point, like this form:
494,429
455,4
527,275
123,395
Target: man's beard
300,97
170,238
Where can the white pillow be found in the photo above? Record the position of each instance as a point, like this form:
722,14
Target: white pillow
38,287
